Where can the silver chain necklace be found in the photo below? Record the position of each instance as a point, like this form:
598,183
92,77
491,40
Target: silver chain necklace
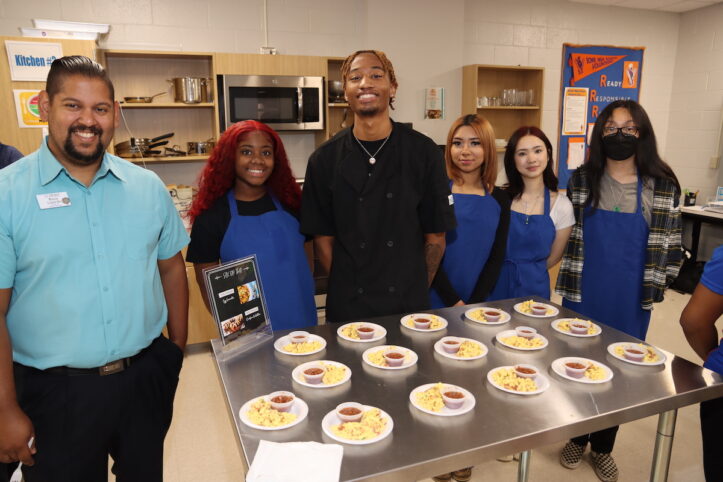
372,157
528,212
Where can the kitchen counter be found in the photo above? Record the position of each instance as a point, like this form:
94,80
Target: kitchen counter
423,445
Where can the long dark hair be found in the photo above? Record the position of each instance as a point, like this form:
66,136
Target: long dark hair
647,160
515,185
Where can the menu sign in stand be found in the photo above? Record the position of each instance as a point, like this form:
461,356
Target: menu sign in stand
238,305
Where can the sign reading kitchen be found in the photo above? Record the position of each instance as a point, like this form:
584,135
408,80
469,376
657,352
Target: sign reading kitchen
236,298
31,60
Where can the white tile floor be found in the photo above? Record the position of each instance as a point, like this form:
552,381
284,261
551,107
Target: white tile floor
201,445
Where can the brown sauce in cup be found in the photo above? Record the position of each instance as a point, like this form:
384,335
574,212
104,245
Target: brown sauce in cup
637,352
365,329
454,395
281,399
528,371
574,365
350,411
451,342
492,313
394,355
314,371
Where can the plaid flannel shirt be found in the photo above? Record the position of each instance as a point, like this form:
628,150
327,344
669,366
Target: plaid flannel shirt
663,258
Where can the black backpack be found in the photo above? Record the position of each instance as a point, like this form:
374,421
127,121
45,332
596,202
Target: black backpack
690,273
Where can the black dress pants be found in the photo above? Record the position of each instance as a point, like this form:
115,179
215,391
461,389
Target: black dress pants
601,441
711,427
81,419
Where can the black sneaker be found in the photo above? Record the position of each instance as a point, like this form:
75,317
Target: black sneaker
571,455
605,467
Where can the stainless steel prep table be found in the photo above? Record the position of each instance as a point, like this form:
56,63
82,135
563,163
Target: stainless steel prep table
423,445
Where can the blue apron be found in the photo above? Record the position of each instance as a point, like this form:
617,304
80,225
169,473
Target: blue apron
469,245
715,360
529,242
614,263
275,239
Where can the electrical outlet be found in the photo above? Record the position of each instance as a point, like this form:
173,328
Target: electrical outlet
268,50
713,163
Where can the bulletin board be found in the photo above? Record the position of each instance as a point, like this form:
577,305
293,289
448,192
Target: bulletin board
592,77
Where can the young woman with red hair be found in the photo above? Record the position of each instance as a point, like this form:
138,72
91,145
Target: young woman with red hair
476,248
248,203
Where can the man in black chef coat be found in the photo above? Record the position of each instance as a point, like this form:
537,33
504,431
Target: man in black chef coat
377,201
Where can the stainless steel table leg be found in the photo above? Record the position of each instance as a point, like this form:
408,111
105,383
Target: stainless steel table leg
663,446
523,470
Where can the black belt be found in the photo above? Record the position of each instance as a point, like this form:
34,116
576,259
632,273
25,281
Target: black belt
107,369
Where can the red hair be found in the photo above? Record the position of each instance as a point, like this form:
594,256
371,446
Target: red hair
219,173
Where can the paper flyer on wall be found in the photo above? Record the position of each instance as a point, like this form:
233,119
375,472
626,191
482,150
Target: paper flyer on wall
31,60
237,300
574,120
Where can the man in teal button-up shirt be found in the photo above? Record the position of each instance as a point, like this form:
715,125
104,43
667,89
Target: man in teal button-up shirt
90,273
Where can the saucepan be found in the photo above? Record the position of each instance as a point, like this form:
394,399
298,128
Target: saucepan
142,100
205,147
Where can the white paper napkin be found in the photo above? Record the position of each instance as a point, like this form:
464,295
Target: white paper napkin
302,461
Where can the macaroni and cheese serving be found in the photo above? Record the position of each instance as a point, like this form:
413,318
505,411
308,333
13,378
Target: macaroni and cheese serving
507,378
521,342
526,307
377,357
306,347
469,349
431,399
435,324
564,325
371,425
595,372
650,355
261,413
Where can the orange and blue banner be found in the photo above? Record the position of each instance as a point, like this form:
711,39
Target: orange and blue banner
605,74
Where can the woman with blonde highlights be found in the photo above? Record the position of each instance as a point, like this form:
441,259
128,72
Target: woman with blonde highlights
476,248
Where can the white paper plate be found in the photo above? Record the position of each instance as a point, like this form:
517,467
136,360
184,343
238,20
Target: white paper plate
298,408
468,404
409,361
379,332
660,361
541,380
503,319
558,366
298,374
408,319
332,419
508,333
280,343
554,312
440,349
597,329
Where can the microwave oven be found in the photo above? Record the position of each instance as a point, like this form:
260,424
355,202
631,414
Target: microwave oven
284,103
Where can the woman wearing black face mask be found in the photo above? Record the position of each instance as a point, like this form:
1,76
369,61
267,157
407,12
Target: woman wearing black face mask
620,249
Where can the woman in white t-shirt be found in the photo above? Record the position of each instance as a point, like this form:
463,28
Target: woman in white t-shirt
541,219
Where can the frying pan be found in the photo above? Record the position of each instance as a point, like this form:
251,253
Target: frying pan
142,142
142,100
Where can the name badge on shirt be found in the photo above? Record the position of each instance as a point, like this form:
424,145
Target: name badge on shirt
53,200
451,199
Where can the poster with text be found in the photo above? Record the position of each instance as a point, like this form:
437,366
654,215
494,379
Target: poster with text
27,107
236,298
31,60
592,77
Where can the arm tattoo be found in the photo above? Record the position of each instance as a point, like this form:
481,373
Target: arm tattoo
432,256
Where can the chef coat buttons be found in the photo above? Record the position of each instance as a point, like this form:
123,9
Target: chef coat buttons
360,291
391,289
389,195
390,243
362,245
